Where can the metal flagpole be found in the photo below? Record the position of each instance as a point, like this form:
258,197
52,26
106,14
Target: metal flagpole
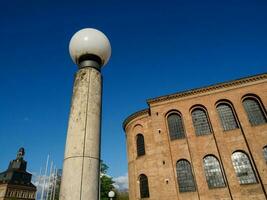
49,180
42,194
39,180
55,185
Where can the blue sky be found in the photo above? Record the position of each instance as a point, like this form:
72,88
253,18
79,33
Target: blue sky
158,47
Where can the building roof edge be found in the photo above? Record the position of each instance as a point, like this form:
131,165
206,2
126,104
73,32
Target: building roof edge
134,115
216,86
190,92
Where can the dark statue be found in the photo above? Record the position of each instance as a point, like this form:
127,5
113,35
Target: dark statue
20,154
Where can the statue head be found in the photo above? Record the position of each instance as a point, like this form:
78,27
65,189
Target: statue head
20,153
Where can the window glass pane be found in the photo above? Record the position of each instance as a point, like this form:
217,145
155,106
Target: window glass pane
140,145
227,117
213,172
254,112
144,190
265,153
175,125
185,177
243,168
201,122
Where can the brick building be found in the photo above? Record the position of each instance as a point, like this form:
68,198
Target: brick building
206,143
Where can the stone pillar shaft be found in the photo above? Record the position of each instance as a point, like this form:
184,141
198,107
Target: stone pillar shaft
80,178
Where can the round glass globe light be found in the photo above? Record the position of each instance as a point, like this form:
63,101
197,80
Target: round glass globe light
90,41
111,194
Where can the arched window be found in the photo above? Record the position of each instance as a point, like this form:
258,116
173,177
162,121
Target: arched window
143,183
201,122
254,111
227,117
185,176
213,172
175,125
265,153
243,168
140,145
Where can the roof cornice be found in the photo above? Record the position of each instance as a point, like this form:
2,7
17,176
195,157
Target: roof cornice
192,92
208,88
133,116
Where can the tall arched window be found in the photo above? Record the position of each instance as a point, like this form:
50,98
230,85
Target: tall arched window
185,176
213,172
265,153
175,125
201,122
143,184
140,145
243,168
227,116
254,111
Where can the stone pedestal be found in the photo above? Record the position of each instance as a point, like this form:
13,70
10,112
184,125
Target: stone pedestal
80,178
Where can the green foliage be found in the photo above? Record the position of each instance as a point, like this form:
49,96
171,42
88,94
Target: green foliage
103,167
106,182
106,186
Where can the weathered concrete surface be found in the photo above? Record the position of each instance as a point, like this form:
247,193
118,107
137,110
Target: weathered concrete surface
80,178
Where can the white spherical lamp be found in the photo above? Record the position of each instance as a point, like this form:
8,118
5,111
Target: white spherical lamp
111,194
90,44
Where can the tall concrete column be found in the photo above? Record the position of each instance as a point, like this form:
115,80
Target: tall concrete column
90,49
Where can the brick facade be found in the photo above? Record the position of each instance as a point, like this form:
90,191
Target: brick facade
162,154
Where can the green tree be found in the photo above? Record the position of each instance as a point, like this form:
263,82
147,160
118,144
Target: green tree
103,167
106,182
